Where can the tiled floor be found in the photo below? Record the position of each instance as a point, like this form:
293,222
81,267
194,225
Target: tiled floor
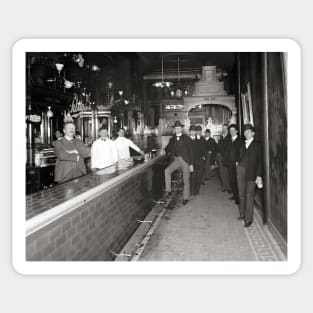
207,229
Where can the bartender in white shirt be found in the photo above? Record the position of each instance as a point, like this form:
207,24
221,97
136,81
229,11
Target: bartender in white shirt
103,151
123,144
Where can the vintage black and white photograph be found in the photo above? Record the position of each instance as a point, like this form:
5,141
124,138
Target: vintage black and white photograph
141,156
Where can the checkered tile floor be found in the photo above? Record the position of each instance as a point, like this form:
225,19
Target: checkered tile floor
207,229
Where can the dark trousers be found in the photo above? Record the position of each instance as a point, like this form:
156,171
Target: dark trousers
223,171
246,191
196,177
232,173
207,167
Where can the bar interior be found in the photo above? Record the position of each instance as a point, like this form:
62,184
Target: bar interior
91,216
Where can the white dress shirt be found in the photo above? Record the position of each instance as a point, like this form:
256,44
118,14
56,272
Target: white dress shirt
123,144
103,153
248,142
234,138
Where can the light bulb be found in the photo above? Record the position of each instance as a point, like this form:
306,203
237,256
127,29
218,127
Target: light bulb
49,113
59,66
95,68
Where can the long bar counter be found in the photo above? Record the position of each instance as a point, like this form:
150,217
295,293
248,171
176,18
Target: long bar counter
93,216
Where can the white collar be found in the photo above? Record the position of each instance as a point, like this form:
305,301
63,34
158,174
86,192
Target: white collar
234,138
68,138
179,135
248,141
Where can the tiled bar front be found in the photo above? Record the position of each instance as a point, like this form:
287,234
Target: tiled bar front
98,225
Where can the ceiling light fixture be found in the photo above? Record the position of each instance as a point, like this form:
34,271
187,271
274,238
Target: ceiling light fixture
162,83
68,84
59,67
179,92
95,68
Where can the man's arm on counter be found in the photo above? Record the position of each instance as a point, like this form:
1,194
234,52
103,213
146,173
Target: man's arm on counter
133,146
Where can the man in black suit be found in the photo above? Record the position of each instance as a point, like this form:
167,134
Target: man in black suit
249,173
221,158
179,147
232,158
198,149
203,149
210,153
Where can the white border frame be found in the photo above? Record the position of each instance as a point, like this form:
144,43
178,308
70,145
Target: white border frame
156,45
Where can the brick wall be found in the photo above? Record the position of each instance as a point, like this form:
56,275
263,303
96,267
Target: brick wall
92,231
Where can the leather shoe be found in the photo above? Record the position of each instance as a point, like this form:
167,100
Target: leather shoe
248,224
185,202
240,218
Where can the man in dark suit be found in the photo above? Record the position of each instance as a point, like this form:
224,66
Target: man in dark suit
179,147
249,173
210,153
198,149
70,153
221,158
232,158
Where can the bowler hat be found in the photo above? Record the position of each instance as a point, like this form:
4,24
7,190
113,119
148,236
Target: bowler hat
178,124
248,126
192,127
233,126
198,127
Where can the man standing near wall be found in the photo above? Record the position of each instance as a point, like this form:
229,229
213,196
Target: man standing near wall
232,158
249,173
198,149
203,152
222,151
179,147
210,151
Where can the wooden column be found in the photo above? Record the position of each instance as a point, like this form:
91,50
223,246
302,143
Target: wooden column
266,163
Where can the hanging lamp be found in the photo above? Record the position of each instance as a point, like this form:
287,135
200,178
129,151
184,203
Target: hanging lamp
179,92
162,83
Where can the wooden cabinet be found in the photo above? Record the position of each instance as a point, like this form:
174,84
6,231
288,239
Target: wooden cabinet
38,178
